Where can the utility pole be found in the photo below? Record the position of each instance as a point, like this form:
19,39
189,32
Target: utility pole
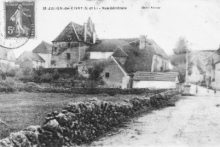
186,77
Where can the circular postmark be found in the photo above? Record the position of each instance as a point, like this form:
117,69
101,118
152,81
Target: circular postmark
19,24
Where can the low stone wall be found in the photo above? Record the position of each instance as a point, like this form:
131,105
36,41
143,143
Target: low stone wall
110,91
80,122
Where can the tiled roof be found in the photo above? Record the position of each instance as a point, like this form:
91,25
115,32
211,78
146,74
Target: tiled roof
43,47
72,32
106,62
155,76
158,49
107,45
29,56
119,53
137,60
75,32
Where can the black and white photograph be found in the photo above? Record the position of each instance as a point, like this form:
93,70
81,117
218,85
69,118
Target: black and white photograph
109,73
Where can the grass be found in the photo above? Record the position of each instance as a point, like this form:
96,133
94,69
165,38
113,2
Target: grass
20,110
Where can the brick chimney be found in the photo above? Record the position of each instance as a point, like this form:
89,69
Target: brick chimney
85,31
142,43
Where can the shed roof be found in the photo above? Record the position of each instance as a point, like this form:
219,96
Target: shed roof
155,76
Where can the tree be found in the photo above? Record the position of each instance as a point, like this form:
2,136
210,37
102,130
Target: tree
178,59
95,74
181,46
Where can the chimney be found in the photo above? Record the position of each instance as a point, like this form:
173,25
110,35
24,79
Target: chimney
142,43
85,31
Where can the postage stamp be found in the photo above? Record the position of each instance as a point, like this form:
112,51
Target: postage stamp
20,19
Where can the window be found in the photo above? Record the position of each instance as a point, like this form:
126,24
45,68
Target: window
67,55
55,49
53,62
107,74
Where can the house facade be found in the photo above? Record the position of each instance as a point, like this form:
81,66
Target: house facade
7,57
213,68
197,75
69,48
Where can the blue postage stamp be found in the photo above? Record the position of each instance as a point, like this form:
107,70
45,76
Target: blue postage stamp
20,19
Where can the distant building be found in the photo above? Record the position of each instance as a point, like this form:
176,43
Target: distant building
7,57
30,59
213,69
197,75
44,50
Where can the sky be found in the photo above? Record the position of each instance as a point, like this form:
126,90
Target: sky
198,21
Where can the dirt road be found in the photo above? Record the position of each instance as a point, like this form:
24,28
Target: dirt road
194,121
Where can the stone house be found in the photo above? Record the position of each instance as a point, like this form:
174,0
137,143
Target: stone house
213,70
44,50
197,75
7,57
69,48
30,59
127,56
78,45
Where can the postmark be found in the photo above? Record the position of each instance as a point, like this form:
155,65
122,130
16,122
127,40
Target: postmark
19,23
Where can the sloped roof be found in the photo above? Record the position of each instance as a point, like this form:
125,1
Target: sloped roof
43,47
158,49
155,76
106,62
111,45
72,32
75,32
107,45
29,56
119,53
137,60
4,54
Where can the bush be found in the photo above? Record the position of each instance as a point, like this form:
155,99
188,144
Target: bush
47,77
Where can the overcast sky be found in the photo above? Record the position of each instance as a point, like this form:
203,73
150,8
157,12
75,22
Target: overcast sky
196,20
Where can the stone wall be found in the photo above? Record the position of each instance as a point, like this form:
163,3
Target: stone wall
80,123
110,91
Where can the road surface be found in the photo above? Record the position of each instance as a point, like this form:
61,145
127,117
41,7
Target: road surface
193,122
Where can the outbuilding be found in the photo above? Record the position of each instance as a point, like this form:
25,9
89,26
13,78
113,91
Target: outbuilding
158,80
